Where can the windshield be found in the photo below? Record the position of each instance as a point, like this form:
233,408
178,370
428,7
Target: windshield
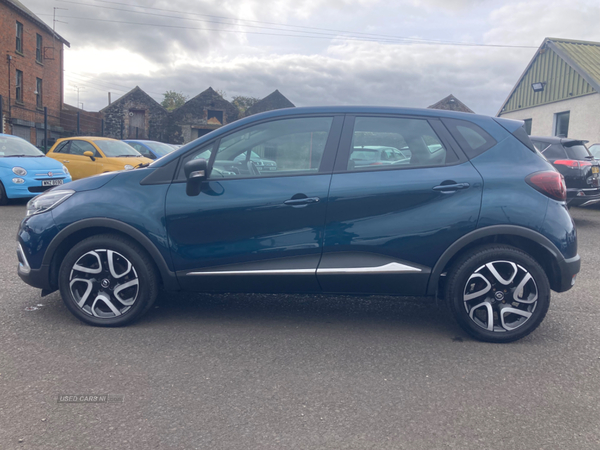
14,146
115,149
159,148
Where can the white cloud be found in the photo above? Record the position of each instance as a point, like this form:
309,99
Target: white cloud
119,56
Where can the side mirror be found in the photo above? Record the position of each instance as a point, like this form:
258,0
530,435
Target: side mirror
90,154
196,172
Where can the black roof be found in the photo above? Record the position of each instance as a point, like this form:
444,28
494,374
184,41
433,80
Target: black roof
558,140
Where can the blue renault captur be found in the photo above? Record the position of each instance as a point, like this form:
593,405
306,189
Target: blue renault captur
25,171
474,214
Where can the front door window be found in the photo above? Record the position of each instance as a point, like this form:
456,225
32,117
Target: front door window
281,147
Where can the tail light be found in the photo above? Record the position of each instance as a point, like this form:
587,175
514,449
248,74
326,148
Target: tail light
572,163
549,183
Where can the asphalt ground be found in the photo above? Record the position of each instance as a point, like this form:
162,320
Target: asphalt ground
293,372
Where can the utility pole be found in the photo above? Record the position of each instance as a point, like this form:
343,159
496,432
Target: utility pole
77,88
54,18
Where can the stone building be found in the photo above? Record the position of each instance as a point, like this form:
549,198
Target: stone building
451,103
275,100
32,73
558,94
202,114
135,115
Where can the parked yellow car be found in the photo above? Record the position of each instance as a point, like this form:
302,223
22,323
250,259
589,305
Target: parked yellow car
85,156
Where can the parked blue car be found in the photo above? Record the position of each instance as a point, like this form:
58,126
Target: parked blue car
476,217
150,149
25,171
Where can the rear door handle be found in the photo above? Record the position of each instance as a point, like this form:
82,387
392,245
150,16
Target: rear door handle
451,187
66,161
301,201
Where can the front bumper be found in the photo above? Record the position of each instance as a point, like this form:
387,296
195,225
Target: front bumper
31,186
38,278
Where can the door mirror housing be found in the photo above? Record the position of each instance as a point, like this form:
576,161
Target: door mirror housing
196,172
90,155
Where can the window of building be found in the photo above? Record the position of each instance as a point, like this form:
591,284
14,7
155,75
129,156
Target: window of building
214,117
38,48
561,124
39,102
19,46
528,126
19,87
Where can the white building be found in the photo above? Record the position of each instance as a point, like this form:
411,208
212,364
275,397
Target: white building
558,94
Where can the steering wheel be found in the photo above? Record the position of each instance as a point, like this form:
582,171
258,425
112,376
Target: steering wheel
252,169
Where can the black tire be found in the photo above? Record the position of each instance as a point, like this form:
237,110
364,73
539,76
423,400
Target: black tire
3,197
122,290
477,284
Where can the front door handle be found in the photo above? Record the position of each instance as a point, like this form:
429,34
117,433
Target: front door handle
66,161
451,187
301,201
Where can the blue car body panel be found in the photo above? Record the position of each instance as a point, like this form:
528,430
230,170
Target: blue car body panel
242,225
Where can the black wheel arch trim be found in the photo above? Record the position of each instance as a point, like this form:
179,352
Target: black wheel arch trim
512,230
168,277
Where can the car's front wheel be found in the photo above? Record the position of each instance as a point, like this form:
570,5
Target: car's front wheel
108,280
498,293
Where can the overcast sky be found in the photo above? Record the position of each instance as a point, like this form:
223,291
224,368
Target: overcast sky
369,52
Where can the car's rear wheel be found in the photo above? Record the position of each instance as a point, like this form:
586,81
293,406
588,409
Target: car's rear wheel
3,197
498,293
108,280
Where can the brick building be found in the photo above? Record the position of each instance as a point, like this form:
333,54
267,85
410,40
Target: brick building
32,77
451,103
275,100
205,112
135,115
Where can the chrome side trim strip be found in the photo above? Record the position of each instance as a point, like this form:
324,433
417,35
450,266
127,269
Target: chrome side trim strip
387,268
255,272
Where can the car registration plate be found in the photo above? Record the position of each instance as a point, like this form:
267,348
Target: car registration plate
52,182
595,169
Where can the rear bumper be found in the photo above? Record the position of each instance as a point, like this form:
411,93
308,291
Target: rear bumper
569,268
586,198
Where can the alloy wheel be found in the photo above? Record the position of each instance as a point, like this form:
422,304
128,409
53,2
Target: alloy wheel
104,283
500,296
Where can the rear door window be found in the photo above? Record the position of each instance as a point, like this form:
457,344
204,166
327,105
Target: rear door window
395,143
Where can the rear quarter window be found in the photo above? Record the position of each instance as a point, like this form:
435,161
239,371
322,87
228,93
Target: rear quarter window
473,139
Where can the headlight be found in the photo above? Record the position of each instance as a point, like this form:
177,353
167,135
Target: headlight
65,170
19,171
46,202
128,167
